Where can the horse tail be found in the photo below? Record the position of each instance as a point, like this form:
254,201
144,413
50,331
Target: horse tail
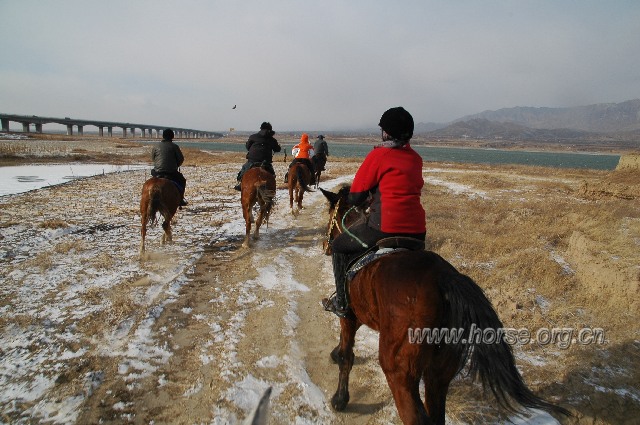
155,204
267,195
302,180
467,308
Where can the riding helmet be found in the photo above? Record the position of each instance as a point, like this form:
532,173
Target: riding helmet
168,134
398,123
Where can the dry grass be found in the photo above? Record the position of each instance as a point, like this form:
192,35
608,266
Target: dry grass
514,243
53,224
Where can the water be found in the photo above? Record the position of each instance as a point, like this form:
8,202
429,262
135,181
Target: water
23,178
482,156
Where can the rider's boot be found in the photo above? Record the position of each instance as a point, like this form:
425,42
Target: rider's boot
338,303
238,187
286,177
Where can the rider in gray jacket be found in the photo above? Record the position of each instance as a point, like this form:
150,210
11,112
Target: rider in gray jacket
167,159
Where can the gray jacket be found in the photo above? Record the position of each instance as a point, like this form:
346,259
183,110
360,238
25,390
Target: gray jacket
166,156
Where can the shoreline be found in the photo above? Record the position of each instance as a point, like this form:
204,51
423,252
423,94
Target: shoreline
591,147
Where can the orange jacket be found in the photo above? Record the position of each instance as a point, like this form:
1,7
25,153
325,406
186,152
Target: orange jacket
303,150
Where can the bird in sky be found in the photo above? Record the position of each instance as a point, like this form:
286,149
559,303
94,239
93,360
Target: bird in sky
234,107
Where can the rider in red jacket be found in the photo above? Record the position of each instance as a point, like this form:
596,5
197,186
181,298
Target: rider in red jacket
390,182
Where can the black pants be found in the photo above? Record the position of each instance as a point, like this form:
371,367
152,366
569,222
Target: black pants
250,164
367,237
306,162
175,176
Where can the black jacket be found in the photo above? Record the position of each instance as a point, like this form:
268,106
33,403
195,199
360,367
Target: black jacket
261,146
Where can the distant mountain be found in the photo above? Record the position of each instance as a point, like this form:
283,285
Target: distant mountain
619,120
481,128
600,118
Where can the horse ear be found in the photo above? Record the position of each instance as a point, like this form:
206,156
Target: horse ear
332,197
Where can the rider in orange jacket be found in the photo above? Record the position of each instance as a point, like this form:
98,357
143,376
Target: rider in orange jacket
302,152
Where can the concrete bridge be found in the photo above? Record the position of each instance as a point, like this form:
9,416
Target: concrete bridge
146,130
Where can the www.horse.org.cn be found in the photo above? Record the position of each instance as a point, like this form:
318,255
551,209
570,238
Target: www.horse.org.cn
561,337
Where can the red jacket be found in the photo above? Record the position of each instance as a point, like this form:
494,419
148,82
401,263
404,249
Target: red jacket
394,177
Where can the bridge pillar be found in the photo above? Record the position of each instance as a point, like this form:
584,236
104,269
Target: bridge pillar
38,128
100,131
158,133
25,127
69,130
5,124
80,130
124,131
110,131
133,132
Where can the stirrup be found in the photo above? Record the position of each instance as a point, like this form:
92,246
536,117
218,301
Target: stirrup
329,304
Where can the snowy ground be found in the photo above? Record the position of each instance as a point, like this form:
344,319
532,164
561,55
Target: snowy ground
90,332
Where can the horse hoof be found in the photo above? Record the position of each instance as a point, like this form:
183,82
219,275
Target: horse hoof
338,403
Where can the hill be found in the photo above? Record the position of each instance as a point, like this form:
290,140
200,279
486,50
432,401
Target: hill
617,123
598,118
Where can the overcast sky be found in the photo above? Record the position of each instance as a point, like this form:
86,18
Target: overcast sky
311,65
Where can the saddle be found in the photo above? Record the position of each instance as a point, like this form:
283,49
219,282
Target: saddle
168,176
384,247
264,165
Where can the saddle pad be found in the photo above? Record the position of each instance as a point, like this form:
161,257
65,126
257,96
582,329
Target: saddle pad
368,258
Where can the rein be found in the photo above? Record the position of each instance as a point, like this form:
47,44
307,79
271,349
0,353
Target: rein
346,230
333,222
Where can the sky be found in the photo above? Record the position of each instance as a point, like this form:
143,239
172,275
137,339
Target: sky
305,66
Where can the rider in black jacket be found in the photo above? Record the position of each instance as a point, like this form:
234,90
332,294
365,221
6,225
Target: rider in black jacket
261,146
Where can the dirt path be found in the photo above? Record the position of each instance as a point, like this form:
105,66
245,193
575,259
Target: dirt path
249,319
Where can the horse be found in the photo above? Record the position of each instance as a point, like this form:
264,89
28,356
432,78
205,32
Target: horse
257,186
298,183
161,196
319,161
409,291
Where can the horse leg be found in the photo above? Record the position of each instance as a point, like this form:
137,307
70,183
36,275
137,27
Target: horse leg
143,233
344,357
291,197
246,212
166,226
400,362
300,196
259,220
437,377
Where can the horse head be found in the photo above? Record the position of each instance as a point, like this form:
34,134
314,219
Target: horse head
339,215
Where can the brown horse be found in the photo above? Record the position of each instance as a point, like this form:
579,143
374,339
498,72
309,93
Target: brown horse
258,187
158,196
404,293
319,161
298,183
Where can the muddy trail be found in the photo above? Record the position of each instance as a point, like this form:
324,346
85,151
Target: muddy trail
247,319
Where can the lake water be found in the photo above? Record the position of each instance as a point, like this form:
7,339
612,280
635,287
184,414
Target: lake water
483,156
23,178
